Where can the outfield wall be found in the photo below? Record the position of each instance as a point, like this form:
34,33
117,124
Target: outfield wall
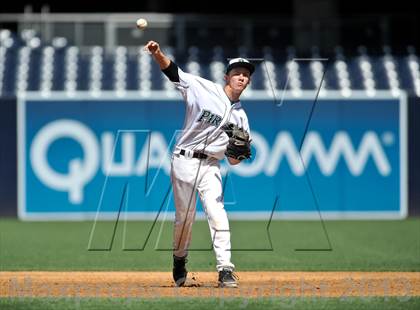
355,155
8,157
414,155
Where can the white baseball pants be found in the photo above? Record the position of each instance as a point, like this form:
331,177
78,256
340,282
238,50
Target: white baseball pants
189,175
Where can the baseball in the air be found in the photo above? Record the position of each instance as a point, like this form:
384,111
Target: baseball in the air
141,23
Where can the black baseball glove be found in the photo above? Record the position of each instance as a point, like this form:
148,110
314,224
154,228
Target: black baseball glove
239,146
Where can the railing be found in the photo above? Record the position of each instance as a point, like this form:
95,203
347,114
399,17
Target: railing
207,31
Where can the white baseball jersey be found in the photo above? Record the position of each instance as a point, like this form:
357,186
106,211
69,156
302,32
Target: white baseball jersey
208,108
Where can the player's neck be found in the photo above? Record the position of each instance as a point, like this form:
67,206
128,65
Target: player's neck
233,96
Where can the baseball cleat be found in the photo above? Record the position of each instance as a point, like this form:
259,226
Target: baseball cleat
179,272
227,278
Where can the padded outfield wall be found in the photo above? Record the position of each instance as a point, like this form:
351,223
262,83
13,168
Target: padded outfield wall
84,156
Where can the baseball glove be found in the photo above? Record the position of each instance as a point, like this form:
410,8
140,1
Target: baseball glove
239,146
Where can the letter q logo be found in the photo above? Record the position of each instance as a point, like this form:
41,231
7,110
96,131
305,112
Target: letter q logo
80,171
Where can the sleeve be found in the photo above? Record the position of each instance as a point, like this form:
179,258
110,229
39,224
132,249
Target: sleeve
245,124
186,81
181,80
248,130
172,72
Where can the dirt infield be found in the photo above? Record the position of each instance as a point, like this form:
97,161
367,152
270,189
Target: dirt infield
204,284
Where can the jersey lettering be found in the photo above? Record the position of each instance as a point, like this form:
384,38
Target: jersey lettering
211,118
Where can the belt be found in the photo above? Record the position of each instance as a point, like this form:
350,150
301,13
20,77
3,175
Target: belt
195,154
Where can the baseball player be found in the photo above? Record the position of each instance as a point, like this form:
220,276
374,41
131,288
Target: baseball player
215,125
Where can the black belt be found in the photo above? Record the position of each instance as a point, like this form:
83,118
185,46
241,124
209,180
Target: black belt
195,154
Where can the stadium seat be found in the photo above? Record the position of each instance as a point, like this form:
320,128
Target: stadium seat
28,64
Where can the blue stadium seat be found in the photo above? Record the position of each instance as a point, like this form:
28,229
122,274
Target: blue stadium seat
83,72
131,69
108,72
35,65
59,68
132,72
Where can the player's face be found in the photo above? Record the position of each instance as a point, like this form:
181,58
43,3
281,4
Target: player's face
238,79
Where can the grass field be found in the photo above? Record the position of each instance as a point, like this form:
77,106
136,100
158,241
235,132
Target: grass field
355,245
212,303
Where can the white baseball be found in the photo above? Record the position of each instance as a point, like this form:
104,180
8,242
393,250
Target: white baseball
141,23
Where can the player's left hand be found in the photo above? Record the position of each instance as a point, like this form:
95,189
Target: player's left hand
239,146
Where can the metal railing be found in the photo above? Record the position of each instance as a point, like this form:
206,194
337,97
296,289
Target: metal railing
206,31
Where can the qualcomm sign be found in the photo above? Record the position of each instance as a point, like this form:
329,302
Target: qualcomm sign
99,154
67,155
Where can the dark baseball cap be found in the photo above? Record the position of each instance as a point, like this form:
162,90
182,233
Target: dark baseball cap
240,63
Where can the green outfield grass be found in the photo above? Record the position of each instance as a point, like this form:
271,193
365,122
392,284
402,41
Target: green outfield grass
405,303
356,245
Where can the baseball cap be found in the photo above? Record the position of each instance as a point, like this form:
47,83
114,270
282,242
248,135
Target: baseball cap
240,62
